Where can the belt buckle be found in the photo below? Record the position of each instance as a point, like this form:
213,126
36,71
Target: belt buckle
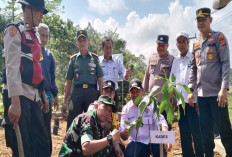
85,85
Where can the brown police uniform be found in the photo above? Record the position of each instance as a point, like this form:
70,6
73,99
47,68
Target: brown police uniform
210,70
211,65
157,67
23,78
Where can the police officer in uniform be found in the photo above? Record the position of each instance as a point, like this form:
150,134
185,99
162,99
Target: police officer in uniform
158,65
24,81
210,70
86,71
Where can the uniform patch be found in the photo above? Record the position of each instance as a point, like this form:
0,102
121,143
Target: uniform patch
152,63
196,54
41,57
210,56
210,40
196,45
197,60
210,50
210,34
13,30
27,36
91,60
222,40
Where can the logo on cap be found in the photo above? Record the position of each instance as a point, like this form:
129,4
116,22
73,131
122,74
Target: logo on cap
81,32
109,83
134,84
161,38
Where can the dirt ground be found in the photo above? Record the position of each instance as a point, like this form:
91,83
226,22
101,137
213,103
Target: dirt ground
57,141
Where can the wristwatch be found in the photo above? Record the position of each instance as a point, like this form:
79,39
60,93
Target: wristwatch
110,139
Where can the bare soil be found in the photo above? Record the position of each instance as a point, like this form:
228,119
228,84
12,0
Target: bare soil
57,141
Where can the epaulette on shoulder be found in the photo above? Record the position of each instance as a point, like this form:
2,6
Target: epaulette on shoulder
73,56
16,24
95,54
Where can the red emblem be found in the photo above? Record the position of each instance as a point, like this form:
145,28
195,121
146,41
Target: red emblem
13,30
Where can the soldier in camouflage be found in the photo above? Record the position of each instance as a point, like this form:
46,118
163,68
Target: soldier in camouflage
85,136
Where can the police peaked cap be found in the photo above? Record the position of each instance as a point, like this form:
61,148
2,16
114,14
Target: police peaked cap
35,4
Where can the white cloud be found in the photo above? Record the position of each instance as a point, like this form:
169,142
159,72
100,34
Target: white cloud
141,32
98,25
106,6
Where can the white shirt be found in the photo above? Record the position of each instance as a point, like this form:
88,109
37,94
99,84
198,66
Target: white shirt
112,69
181,69
131,113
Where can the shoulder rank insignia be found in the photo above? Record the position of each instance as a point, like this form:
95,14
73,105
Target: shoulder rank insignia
13,30
73,56
222,40
95,54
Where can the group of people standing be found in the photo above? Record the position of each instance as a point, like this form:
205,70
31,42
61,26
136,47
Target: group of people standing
92,127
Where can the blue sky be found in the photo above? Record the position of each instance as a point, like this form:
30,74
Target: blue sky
140,21
84,8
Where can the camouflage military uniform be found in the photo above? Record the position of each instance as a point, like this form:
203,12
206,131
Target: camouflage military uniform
84,128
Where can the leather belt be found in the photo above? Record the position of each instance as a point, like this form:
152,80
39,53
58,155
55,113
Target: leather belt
85,85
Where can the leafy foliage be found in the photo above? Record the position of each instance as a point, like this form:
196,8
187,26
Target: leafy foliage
165,105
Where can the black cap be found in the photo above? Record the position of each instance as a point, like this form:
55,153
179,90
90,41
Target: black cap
35,4
135,83
82,33
107,100
162,39
108,84
203,12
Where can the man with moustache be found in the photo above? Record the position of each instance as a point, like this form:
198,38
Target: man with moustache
209,75
159,65
85,137
86,71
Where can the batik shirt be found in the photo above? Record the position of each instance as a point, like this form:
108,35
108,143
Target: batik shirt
84,128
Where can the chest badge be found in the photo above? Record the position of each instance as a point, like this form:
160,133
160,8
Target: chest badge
210,56
210,40
210,50
196,45
91,60
27,35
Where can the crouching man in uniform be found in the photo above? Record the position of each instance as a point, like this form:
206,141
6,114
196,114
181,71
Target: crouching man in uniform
85,137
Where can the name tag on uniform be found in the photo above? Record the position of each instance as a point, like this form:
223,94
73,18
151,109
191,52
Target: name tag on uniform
164,137
92,65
